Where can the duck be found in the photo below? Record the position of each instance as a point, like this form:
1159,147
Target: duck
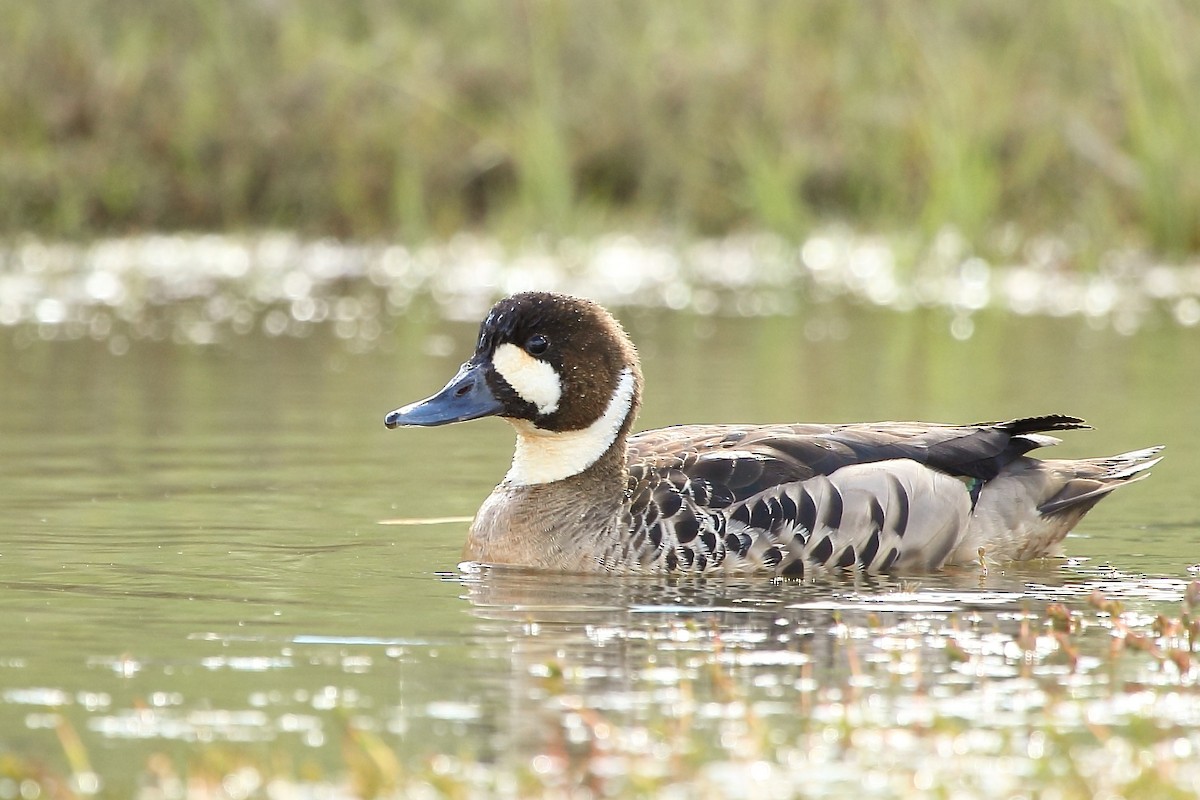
586,495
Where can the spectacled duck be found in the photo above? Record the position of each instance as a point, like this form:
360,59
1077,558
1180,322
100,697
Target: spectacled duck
585,495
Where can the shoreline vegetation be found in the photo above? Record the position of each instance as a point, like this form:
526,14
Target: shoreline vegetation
415,121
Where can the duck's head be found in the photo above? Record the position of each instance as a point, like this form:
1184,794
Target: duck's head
561,369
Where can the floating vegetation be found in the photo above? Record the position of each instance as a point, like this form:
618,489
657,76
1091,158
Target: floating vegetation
204,289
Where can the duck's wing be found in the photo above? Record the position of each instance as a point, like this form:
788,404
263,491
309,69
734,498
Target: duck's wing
794,497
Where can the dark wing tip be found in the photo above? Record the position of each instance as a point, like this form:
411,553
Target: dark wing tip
1046,422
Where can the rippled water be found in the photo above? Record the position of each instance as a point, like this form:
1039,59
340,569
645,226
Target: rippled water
194,584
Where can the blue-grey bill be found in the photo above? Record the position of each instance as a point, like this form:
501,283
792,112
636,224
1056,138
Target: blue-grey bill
466,396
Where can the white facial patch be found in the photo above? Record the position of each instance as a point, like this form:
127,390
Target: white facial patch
535,381
546,456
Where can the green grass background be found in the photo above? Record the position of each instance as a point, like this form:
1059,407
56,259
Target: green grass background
416,119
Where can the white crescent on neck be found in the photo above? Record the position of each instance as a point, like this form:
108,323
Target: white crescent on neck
545,456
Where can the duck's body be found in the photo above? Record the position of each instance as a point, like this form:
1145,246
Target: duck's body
584,495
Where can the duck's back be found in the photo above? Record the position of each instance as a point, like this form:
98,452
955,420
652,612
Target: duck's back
873,496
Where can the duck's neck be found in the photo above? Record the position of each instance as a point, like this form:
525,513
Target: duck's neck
543,456
570,525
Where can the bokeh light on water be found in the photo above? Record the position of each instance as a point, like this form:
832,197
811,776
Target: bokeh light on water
201,289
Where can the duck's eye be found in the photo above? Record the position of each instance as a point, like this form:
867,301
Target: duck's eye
537,345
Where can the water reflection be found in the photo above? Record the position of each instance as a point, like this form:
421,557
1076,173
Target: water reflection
737,684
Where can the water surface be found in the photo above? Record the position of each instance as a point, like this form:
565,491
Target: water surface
195,584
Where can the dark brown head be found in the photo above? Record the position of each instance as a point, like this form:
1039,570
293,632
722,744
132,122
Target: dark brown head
560,368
